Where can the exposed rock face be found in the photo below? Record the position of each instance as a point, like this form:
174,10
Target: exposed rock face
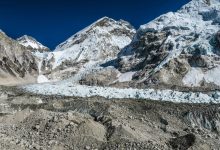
17,64
215,42
32,43
148,52
218,38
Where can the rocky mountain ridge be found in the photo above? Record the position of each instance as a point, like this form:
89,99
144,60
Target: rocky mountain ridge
17,63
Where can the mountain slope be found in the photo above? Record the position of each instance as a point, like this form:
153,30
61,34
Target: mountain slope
178,48
100,41
32,43
17,64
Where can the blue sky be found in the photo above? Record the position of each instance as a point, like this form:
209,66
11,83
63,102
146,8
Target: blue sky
53,21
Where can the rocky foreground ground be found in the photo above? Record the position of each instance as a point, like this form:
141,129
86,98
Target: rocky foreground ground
54,122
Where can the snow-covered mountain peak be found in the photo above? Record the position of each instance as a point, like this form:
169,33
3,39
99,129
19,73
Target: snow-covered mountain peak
99,29
198,18
102,39
98,42
31,42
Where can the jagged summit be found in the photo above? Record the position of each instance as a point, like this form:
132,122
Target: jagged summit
102,26
31,42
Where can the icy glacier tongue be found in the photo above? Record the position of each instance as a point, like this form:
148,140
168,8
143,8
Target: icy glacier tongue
31,42
66,88
100,41
167,48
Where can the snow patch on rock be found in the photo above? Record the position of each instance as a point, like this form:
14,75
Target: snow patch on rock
193,77
212,76
42,79
125,77
196,75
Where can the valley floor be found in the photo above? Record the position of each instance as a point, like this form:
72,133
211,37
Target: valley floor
30,121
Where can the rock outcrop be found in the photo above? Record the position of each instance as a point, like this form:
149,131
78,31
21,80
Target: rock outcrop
17,64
